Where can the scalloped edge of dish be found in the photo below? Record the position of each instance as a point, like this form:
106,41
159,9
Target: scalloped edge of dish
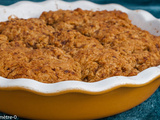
141,18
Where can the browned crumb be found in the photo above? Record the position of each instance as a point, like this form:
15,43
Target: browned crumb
75,45
31,32
133,49
18,60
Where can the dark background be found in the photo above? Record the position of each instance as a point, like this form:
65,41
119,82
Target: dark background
150,109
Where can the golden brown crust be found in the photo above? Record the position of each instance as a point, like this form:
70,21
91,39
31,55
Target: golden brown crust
127,50
31,32
44,65
40,61
75,45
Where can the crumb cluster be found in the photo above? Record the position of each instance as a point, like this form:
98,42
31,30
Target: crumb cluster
75,44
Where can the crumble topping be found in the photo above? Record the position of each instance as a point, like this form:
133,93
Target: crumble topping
75,44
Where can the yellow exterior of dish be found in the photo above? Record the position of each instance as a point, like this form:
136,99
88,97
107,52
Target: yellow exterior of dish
72,105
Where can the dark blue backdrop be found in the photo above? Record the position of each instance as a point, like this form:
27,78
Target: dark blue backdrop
150,109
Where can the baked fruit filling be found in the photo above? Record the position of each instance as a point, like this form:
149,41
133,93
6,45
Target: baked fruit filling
75,44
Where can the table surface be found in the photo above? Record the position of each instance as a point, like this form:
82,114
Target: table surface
149,109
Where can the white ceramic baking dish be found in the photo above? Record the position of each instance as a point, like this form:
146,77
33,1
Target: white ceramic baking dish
110,93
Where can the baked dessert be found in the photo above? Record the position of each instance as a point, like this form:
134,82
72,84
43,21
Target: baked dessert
75,44
25,53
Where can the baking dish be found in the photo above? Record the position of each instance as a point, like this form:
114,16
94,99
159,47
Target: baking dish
73,99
